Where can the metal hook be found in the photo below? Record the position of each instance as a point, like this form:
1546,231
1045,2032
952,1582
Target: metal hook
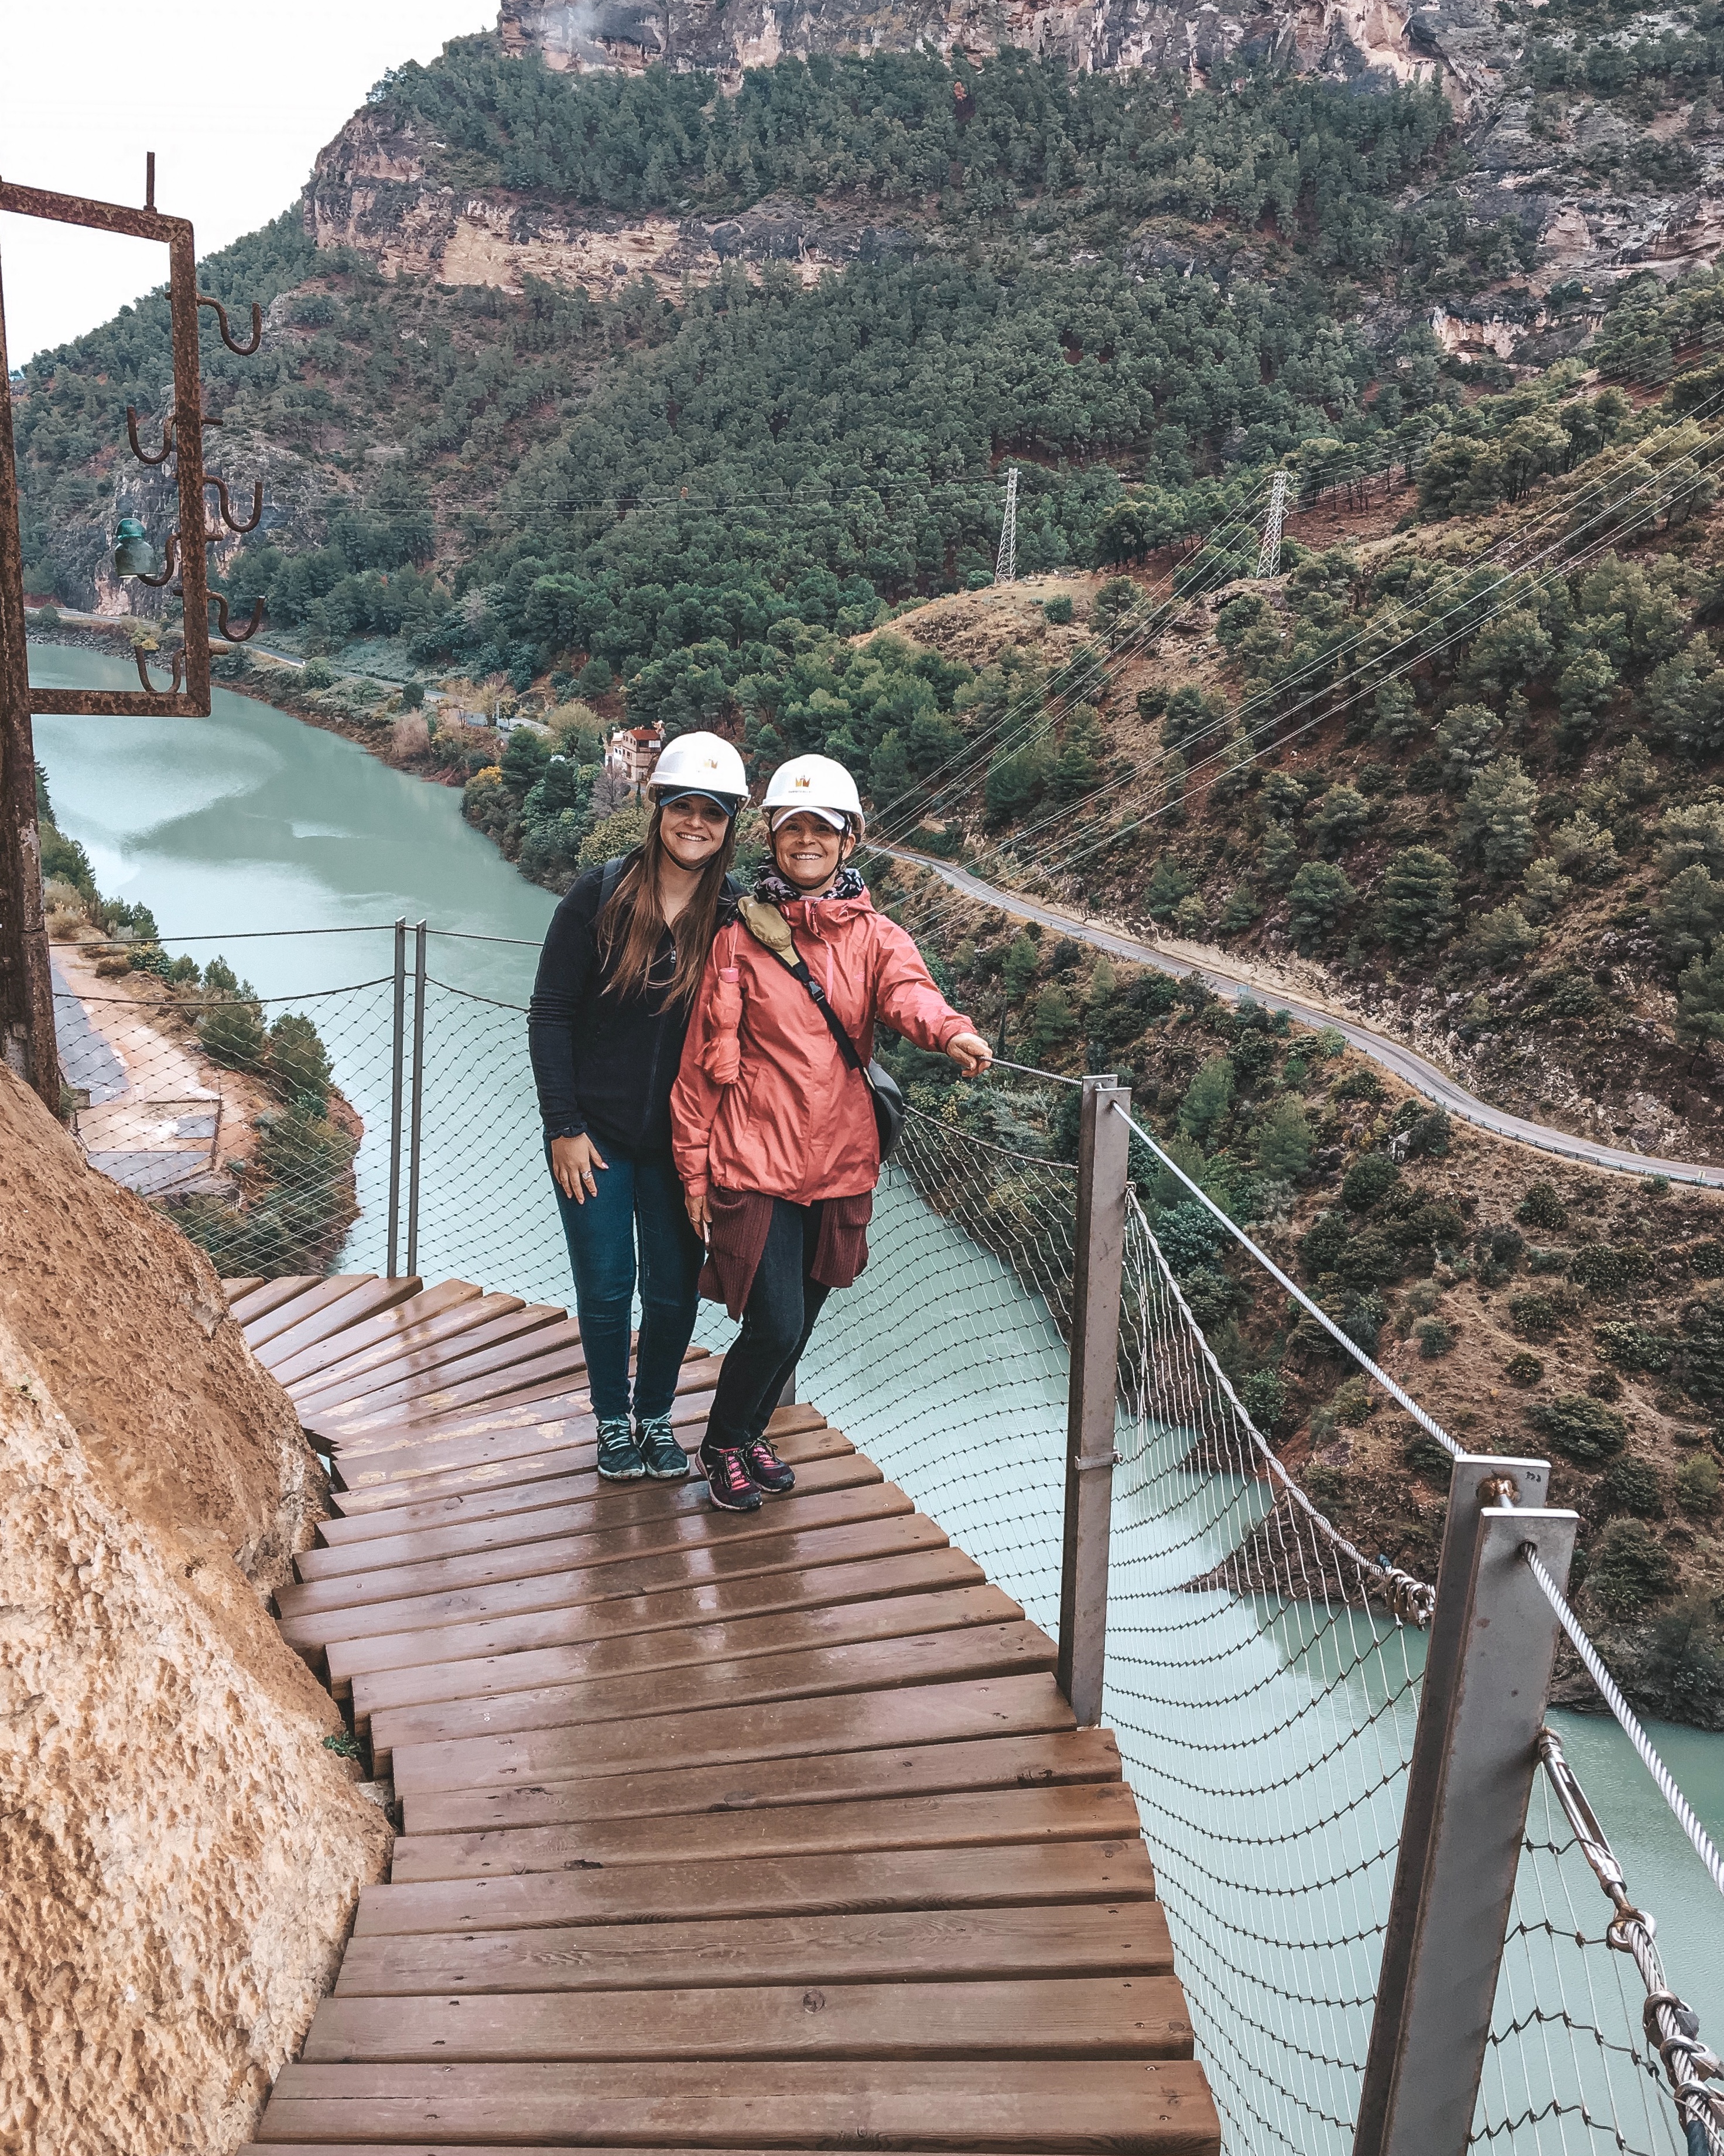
227,517
237,635
179,670
245,351
137,448
167,565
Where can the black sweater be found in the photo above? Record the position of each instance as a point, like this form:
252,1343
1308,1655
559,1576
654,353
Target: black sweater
604,1064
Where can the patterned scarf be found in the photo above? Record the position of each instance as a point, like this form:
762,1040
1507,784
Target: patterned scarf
778,890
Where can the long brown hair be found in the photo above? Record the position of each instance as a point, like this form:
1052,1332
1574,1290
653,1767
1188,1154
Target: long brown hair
634,919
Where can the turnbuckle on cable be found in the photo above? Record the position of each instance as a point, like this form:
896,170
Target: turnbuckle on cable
1672,2026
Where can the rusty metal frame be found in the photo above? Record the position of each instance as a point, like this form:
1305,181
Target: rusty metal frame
27,1030
174,233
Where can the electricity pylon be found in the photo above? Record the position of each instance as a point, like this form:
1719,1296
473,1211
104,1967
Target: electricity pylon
1005,569
1269,559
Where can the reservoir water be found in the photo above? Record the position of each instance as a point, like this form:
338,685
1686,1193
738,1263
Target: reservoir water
251,821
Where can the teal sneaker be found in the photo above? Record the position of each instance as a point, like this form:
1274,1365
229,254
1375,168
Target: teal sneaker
664,1459
618,1461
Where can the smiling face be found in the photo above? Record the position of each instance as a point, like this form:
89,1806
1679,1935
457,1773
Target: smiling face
808,851
693,829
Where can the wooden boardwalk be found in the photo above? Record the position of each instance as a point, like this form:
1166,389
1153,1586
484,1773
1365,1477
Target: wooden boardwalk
720,1832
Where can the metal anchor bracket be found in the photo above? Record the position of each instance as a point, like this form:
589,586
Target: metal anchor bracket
228,516
245,351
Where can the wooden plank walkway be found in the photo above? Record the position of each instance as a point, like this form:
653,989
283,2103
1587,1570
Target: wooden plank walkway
759,1832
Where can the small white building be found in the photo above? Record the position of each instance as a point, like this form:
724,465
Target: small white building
632,753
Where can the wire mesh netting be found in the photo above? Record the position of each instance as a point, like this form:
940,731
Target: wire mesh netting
1265,1691
257,1123
1567,2068
1262,1674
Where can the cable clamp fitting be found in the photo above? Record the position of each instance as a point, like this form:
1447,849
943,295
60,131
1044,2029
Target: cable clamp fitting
1086,1462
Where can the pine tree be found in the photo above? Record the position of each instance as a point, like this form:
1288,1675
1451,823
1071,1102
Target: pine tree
1495,825
1418,898
1023,963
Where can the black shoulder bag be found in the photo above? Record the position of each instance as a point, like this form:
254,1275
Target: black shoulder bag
888,1105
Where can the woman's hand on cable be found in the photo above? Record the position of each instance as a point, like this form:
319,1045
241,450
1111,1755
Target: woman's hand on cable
572,1162
700,1213
970,1052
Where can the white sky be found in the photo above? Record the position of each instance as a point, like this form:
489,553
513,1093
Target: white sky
235,101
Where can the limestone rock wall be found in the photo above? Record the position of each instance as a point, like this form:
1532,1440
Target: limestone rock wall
181,1854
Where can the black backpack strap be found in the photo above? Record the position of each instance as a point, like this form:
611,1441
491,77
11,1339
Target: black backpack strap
840,1031
610,876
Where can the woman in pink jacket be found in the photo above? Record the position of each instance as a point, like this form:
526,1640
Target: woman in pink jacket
773,1131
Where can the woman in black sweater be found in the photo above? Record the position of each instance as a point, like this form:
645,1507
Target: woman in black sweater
610,1007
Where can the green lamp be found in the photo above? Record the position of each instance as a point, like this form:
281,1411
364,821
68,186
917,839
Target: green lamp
133,554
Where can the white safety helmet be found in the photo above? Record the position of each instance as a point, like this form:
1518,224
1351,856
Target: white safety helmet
818,783
701,763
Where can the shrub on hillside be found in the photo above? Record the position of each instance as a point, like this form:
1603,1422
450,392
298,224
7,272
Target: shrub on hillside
1695,1486
1582,1429
1541,1207
1631,1568
1367,1181
1634,1486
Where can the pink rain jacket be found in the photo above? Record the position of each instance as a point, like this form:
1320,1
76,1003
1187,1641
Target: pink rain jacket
764,1102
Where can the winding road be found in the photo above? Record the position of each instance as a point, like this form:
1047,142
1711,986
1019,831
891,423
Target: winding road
1428,1078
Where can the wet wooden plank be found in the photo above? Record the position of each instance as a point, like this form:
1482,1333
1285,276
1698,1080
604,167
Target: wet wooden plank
686,1530
522,1343
817,1441
832,1884
920,1658
699,1372
915,1657
438,1326
1072,1756
1090,1812
1086,1939
318,1334
460,1647
507,1378
1128,2107
620,1653
546,1411
600,1506
890,1534
287,1317
271,1296
497,1460
421,2146
1110,2017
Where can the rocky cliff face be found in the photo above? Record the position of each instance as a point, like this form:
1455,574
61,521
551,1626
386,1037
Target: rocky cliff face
1530,163
1348,39
181,1853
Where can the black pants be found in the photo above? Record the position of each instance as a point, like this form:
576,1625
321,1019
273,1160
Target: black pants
782,1305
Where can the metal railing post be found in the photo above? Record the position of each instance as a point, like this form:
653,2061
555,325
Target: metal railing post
400,1044
417,1096
1492,1646
1098,1268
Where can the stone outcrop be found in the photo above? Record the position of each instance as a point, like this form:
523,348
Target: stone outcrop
1346,39
181,1852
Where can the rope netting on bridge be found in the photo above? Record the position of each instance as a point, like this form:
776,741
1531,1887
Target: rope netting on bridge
1264,1674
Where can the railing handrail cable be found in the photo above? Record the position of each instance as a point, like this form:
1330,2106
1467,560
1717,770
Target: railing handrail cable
1668,1787
1396,1392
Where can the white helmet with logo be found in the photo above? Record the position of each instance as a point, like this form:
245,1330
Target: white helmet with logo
815,783
701,763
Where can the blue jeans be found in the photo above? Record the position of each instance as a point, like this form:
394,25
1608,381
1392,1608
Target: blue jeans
638,1199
